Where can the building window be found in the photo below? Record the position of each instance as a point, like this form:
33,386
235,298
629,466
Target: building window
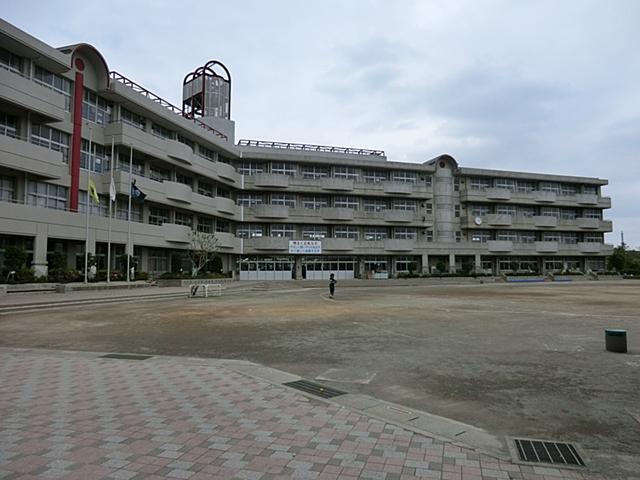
526,212
314,232
95,108
283,168
507,183
159,174
590,189
158,216
479,183
8,125
593,238
525,186
314,172
283,199
7,189
122,206
205,224
428,208
133,119
345,172
458,237
96,160
404,176
550,236
223,192
137,166
550,212
345,231
314,202
47,195
344,201
160,131
550,187
405,264
184,179
553,264
207,154
372,234
206,189
507,235
375,264
249,199
374,204
186,141
404,204
158,260
52,139
10,61
405,233
506,210
456,211
249,230
428,235
591,213
568,213
480,236
283,230
250,168
456,184
569,238
101,209
55,82
526,237
374,176
223,226
568,189
184,219
479,210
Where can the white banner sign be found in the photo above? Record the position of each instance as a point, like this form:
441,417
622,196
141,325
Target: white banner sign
306,247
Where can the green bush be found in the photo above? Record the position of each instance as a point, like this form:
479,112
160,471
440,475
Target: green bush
15,259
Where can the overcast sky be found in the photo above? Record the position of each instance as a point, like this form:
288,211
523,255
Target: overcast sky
541,86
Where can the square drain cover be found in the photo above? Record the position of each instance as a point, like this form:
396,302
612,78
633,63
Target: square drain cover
314,388
555,453
124,356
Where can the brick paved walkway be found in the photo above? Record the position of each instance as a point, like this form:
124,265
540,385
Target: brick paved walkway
76,416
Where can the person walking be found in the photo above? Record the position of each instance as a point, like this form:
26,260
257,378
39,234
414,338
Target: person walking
332,285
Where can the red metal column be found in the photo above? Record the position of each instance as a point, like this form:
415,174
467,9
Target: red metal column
76,139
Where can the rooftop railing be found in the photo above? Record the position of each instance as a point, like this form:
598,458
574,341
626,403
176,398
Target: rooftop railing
162,102
310,148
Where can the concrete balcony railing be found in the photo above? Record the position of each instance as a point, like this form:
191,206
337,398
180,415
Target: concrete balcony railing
337,213
588,247
588,223
544,197
587,199
23,156
177,191
398,188
226,205
337,184
270,180
176,233
399,245
226,172
498,193
338,244
31,96
546,247
500,246
399,216
269,211
498,220
226,240
179,151
267,243
543,221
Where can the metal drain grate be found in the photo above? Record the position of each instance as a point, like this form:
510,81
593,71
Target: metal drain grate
124,356
314,389
548,452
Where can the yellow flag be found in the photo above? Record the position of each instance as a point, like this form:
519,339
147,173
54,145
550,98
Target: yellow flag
93,193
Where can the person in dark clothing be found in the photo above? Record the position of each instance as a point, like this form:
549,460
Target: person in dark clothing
332,285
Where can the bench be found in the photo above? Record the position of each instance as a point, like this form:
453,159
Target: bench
215,287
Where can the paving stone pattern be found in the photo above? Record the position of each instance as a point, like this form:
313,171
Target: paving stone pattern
77,417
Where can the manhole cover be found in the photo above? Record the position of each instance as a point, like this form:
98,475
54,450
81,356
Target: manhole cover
124,356
314,388
555,453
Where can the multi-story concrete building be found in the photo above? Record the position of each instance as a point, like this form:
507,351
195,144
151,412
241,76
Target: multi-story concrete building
61,110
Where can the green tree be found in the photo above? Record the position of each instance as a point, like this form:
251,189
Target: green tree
618,259
15,258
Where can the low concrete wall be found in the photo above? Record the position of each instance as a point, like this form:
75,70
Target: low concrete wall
30,287
185,282
76,287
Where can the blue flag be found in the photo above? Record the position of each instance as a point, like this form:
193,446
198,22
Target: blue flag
136,193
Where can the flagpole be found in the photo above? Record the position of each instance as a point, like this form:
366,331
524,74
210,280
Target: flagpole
86,233
110,202
129,246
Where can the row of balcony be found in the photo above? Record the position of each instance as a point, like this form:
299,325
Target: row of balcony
21,155
536,197
338,214
27,94
274,181
507,246
537,221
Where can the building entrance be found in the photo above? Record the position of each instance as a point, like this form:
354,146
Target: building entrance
266,268
314,268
